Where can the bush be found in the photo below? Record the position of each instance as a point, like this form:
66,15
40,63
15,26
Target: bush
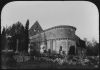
8,59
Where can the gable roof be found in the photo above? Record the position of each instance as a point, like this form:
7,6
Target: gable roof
36,28
81,43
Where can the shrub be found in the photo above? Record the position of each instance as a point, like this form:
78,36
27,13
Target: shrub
9,60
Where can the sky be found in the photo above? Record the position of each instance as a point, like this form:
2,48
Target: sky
83,15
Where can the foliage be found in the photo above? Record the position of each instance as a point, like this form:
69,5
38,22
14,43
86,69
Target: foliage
93,50
70,60
7,59
3,38
92,47
22,57
17,32
26,35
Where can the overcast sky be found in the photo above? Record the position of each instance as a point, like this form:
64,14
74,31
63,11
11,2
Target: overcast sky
83,15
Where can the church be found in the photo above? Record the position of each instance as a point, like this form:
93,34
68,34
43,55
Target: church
56,38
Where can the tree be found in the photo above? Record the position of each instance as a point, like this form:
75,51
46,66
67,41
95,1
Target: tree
16,31
95,47
92,48
3,38
3,31
94,42
26,35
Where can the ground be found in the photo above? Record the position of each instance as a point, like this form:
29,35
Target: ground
32,64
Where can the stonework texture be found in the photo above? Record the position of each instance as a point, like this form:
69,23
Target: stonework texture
55,37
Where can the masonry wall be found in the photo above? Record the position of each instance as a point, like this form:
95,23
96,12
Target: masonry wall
58,33
65,43
56,37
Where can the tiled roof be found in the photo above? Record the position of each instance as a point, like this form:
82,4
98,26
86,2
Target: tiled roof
61,26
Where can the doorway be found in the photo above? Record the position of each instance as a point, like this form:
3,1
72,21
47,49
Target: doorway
71,50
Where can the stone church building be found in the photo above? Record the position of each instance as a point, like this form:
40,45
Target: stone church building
59,37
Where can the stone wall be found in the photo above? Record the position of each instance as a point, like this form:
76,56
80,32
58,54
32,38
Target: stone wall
59,33
56,37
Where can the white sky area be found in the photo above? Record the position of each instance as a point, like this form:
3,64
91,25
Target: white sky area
83,15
